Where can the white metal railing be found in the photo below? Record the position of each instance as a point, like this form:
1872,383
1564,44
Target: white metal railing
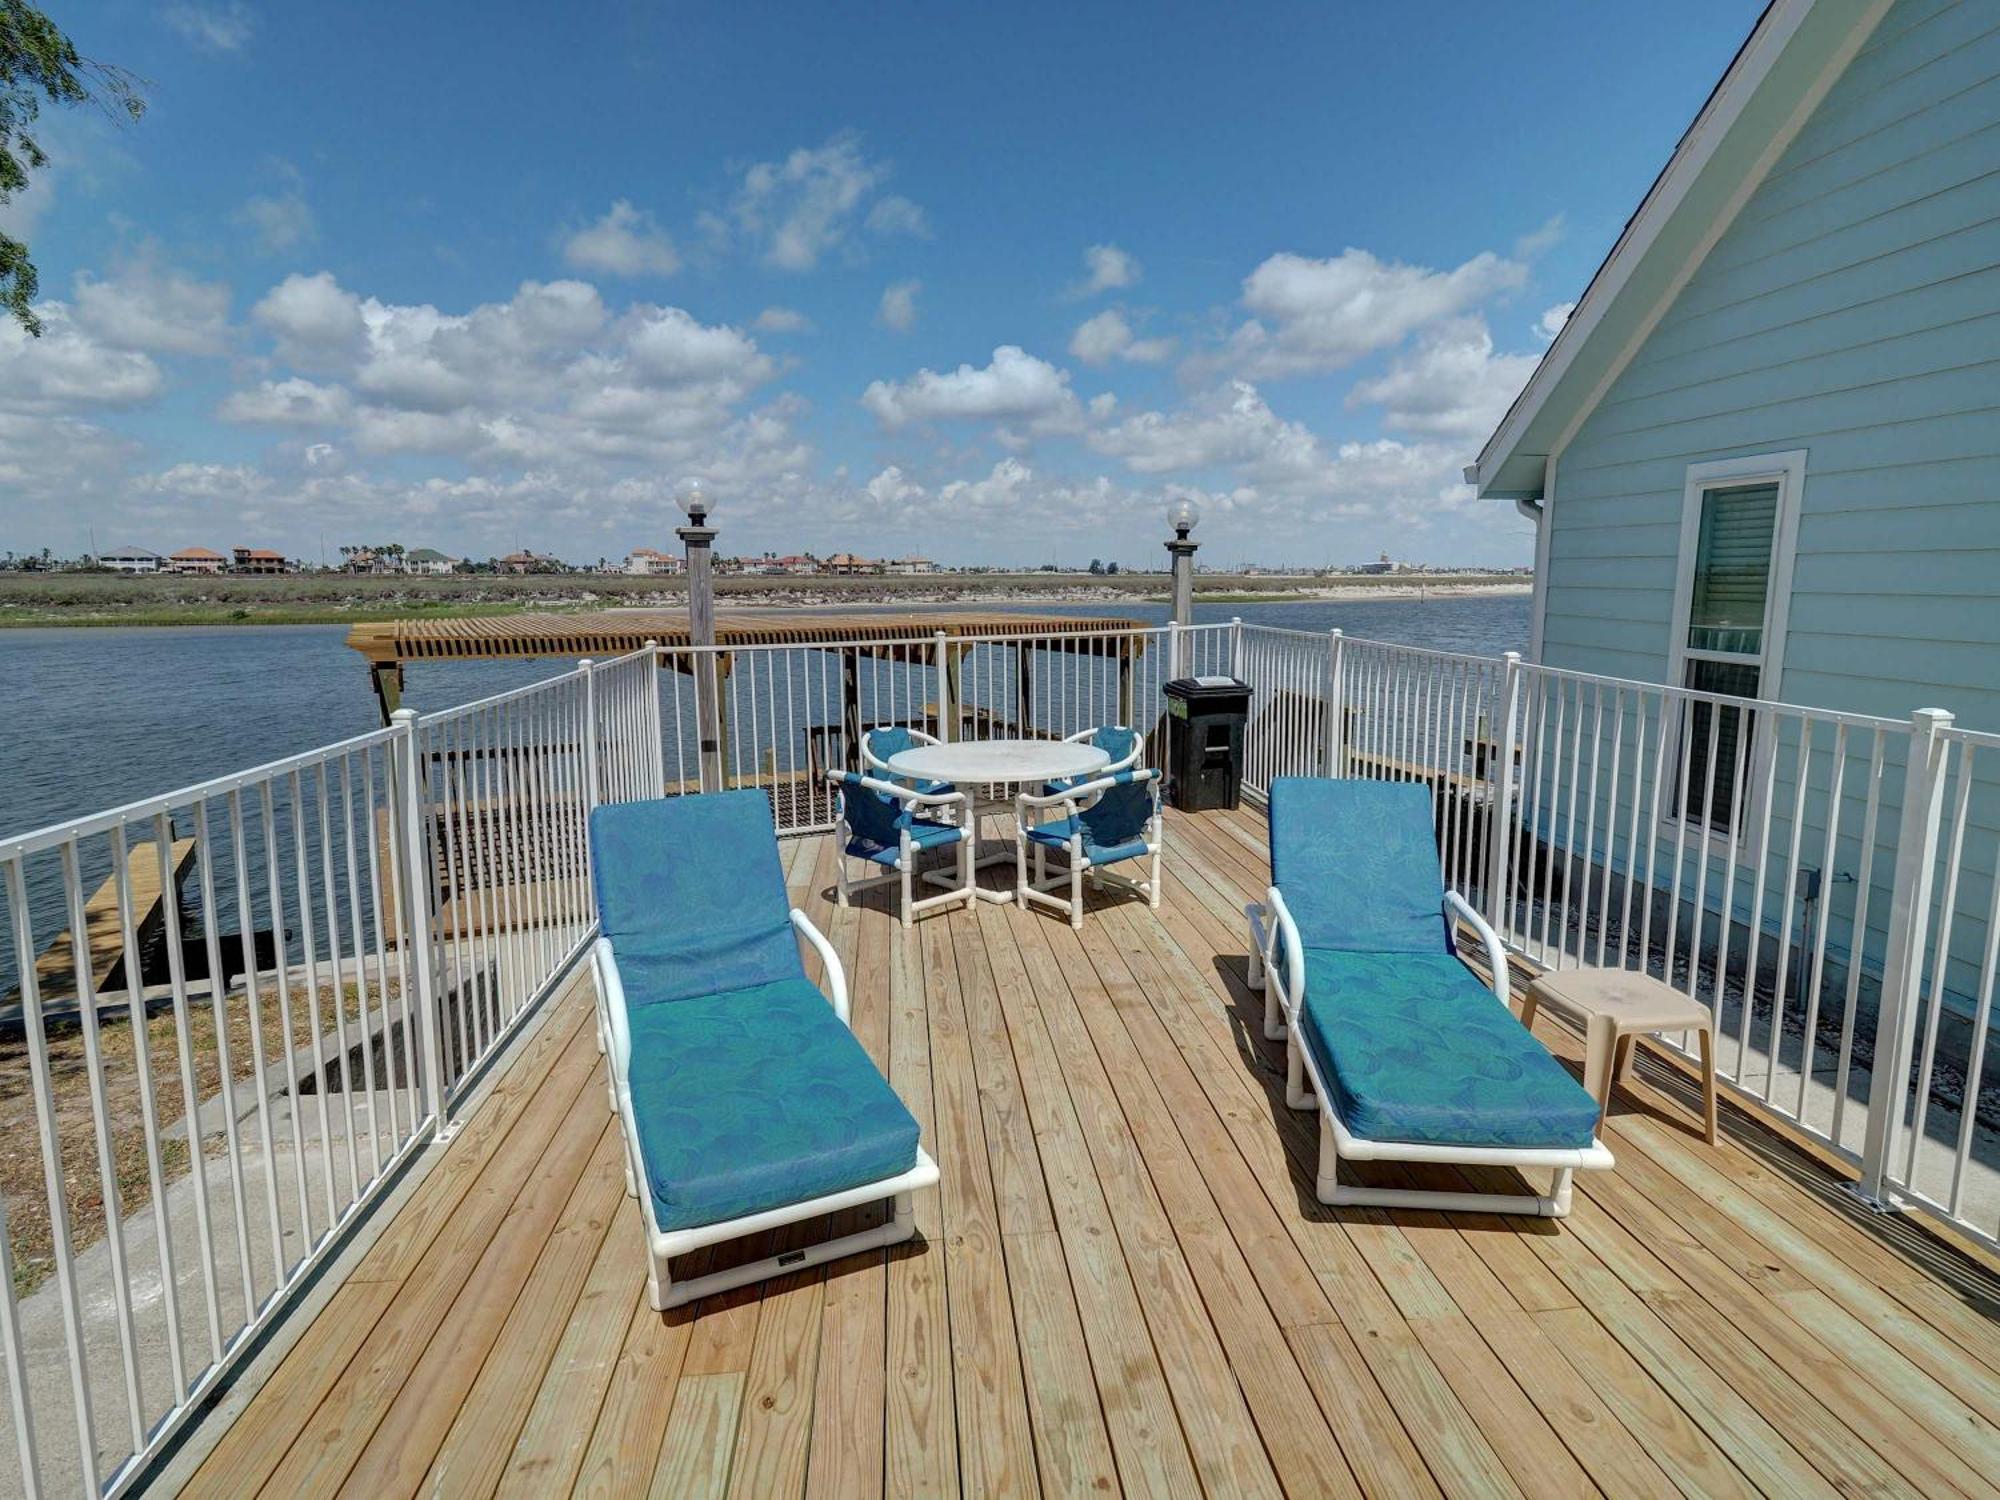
380,915
791,713
1823,882
233,1012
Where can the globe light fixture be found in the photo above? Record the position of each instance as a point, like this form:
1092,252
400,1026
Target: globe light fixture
695,503
1182,515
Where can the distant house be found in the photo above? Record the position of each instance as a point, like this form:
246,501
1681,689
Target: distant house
131,560
528,562
846,564
650,562
257,560
911,565
429,561
795,564
195,560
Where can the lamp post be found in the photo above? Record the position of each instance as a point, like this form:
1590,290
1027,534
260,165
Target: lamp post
699,538
1182,515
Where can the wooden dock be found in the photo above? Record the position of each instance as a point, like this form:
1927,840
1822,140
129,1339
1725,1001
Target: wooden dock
1123,1283
103,929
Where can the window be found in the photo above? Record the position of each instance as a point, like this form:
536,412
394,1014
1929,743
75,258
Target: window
1738,529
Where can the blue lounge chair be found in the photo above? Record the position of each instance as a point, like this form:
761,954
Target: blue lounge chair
745,1101
1405,1053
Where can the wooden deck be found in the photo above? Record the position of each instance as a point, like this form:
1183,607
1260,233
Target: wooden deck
1123,1281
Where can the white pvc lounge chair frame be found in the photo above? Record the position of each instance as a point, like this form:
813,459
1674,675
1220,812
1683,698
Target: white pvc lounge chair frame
662,1289
1270,925
905,869
1044,887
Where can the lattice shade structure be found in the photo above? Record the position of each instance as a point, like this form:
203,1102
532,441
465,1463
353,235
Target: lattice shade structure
387,645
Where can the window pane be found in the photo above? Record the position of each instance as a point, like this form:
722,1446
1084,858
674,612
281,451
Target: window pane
1732,568
1711,790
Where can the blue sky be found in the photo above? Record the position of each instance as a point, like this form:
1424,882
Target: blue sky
983,283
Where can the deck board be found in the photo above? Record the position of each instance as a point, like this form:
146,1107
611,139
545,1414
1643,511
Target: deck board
1123,1282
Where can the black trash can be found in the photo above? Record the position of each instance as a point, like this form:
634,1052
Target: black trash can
1205,716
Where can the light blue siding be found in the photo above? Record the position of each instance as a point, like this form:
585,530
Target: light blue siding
1851,310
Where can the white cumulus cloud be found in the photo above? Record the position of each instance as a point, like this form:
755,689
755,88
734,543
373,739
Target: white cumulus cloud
1106,268
294,402
808,206
626,241
214,28
69,370
151,307
1109,336
1014,387
1452,384
1311,316
782,320
281,220
1553,319
898,309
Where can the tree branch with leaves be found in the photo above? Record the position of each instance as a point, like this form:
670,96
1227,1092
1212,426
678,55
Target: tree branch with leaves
40,65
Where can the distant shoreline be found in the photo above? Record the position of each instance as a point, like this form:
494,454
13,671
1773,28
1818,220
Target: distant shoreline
94,599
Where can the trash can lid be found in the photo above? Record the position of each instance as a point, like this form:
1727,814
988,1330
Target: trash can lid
1204,687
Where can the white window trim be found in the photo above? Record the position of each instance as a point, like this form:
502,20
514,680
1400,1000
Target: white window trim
1788,471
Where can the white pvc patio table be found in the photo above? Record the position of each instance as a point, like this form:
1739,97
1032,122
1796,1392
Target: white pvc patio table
973,764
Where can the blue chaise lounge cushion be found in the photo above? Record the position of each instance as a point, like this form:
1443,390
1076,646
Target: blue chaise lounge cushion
1414,1048
755,1100
692,897
1358,864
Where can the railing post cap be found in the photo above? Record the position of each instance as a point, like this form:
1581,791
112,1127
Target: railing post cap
403,716
1336,631
1513,657
1935,718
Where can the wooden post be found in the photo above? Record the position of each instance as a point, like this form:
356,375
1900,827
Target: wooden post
1024,690
850,706
699,538
387,677
947,687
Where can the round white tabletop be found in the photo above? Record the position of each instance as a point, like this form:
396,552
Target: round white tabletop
991,761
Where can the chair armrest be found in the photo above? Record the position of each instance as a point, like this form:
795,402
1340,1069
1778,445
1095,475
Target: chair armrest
611,993
836,976
1089,790
1285,933
1496,952
900,792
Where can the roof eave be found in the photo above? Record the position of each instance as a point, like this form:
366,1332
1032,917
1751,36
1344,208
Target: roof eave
1548,405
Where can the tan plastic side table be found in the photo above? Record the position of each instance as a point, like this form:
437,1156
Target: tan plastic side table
1616,1006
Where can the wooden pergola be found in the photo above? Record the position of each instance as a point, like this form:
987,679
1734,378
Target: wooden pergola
898,635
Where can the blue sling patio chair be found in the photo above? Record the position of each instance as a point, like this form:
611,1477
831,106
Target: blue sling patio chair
1104,819
744,1100
1404,1051
892,824
885,740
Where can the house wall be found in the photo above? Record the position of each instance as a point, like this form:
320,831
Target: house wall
1853,311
